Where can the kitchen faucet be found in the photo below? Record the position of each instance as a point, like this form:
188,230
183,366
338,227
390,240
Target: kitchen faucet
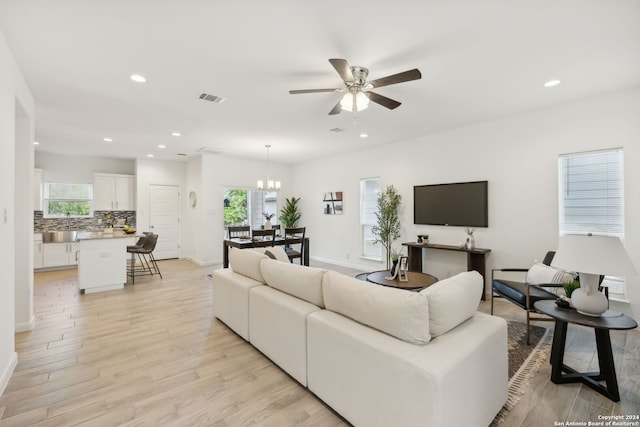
68,219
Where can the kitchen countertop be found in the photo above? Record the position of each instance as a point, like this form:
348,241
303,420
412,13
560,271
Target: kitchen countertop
94,235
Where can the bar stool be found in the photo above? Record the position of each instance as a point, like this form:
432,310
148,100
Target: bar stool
148,264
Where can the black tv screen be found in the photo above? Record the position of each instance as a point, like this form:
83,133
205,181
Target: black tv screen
461,204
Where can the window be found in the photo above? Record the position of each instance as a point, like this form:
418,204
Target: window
369,192
246,207
592,199
62,200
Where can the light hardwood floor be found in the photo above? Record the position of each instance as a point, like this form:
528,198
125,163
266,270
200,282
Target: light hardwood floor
153,354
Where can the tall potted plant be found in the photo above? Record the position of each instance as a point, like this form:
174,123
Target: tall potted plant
289,214
387,229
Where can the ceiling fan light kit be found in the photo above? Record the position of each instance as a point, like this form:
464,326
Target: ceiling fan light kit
359,89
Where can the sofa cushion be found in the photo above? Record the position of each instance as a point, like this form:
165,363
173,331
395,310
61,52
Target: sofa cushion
452,301
247,263
540,274
277,252
400,313
297,280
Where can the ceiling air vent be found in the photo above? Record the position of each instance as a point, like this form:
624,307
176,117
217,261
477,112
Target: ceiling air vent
211,98
180,154
336,130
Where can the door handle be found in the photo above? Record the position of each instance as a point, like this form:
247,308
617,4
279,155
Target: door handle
151,226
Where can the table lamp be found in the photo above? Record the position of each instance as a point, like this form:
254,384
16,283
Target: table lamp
592,256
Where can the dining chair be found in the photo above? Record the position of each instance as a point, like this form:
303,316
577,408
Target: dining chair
266,236
239,231
295,236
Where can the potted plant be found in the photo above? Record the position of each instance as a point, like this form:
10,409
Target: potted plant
387,228
289,214
267,223
471,241
569,287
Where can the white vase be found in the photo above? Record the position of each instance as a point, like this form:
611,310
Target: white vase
267,225
471,243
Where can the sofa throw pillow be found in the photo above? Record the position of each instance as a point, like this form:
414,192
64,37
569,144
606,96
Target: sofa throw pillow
247,263
297,280
277,252
397,312
541,274
453,300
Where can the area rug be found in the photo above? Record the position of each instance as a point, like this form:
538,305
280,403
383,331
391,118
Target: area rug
524,361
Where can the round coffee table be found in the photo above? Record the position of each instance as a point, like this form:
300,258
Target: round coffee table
416,282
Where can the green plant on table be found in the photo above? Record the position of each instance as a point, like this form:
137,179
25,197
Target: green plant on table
569,287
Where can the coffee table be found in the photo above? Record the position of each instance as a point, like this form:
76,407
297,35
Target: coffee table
601,326
417,281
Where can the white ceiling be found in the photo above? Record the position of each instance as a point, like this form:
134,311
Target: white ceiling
480,60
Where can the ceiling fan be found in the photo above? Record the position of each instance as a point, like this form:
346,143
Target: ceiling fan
359,89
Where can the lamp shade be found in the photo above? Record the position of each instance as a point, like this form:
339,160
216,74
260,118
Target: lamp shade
602,255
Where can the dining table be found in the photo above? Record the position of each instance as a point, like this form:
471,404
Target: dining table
248,242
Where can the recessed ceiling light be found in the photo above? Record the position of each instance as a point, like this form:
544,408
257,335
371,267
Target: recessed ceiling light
176,134
552,83
149,155
162,146
36,143
138,78
364,135
107,140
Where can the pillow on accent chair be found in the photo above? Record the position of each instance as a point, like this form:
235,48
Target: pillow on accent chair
540,274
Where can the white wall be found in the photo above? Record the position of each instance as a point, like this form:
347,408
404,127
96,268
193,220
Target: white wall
15,101
79,169
517,155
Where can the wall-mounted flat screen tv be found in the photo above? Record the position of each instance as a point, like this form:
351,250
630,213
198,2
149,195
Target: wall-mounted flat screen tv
461,204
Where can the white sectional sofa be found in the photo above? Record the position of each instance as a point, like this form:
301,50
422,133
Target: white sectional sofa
378,356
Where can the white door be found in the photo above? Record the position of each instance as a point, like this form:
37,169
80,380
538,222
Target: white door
164,220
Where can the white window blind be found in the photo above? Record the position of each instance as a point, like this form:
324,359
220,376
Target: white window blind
369,192
592,199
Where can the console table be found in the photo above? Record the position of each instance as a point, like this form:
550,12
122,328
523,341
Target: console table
476,258
601,326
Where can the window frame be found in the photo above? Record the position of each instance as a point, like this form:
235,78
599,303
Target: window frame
47,199
606,178
368,207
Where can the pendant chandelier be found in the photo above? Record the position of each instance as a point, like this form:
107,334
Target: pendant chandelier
271,185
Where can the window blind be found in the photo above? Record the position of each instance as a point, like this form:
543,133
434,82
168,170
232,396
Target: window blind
592,199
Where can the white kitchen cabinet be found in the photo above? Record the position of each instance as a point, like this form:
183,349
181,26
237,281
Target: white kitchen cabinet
113,192
37,189
37,250
59,254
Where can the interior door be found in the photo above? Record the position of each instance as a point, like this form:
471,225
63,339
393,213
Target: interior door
164,220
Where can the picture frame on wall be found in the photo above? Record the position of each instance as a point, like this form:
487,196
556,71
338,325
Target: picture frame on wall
332,203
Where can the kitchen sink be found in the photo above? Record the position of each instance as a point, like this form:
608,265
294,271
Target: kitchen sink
61,236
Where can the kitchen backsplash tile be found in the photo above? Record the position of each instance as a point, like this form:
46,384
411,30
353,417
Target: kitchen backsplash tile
41,224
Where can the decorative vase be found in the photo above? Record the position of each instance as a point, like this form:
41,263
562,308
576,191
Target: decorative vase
267,224
394,267
471,243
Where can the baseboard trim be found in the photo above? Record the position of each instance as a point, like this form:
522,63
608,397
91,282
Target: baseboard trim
8,371
26,326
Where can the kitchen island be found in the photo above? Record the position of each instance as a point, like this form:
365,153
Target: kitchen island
102,260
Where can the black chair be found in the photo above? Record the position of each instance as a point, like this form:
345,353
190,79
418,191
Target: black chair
525,295
295,236
266,236
239,231
148,264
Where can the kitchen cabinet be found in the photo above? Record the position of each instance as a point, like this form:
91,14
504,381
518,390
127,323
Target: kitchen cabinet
113,192
37,189
37,250
59,254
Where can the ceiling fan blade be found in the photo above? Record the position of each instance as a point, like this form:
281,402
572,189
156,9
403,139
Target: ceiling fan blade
343,68
397,78
336,110
383,100
295,92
